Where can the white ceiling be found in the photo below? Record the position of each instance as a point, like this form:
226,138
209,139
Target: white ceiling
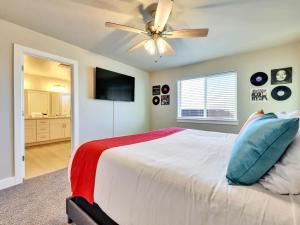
235,26
46,68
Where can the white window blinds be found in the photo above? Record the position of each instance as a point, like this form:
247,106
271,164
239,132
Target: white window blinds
211,97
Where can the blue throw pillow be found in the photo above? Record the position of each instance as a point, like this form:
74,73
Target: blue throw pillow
259,147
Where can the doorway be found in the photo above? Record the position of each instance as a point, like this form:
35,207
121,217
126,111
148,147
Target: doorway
45,112
47,115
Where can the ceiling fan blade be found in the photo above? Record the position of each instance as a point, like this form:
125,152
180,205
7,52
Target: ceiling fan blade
186,33
125,28
162,14
164,48
137,46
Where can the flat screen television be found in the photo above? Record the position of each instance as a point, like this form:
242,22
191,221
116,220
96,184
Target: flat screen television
113,86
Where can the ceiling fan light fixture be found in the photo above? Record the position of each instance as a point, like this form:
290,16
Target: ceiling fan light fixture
150,47
161,46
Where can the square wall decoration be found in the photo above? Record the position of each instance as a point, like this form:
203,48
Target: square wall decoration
165,100
282,76
259,95
156,90
161,94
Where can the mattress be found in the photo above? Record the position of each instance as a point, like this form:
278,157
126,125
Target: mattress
180,180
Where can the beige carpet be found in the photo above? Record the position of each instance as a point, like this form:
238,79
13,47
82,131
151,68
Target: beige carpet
39,201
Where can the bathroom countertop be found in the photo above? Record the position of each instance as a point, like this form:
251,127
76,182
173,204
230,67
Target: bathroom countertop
47,118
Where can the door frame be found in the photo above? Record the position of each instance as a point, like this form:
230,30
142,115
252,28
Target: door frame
19,130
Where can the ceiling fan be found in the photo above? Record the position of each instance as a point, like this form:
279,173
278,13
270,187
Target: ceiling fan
156,28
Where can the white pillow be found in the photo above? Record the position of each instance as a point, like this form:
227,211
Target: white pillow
284,177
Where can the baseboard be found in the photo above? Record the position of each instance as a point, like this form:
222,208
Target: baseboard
47,142
9,182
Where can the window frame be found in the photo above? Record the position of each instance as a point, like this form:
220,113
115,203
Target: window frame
207,120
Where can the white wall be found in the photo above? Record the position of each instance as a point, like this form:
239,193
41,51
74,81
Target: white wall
41,83
46,68
245,65
95,116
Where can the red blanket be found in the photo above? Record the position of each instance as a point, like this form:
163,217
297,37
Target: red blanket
85,161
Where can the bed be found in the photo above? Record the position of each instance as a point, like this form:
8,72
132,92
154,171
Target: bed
178,179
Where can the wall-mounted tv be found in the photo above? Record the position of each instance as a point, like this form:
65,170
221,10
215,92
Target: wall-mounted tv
113,86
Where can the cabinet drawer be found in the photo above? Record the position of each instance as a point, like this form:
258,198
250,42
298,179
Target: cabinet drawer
43,128
42,136
42,122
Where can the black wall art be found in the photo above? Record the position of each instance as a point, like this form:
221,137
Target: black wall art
160,94
259,79
155,100
281,93
165,100
165,89
281,76
156,90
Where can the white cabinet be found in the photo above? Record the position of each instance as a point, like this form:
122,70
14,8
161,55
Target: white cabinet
42,130
56,129
50,130
30,131
59,128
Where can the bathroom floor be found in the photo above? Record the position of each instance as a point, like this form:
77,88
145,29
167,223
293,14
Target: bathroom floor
43,159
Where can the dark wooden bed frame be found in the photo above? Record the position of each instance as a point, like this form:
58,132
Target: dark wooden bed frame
85,214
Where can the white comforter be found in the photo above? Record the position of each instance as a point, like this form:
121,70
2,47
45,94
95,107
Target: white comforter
180,180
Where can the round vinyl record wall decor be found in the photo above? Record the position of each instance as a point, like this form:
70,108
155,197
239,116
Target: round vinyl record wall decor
259,79
281,93
155,100
165,89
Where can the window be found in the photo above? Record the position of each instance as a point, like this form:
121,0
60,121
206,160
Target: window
208,98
